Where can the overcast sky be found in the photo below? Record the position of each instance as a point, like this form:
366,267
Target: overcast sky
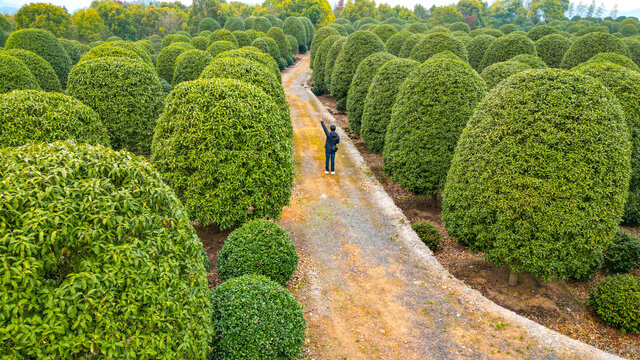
72,5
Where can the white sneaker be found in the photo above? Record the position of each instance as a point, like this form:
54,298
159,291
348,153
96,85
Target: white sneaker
326,172
333,173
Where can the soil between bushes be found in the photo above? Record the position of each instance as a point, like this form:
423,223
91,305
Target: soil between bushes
558,305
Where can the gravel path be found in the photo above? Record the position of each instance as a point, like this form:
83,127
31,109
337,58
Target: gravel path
370,288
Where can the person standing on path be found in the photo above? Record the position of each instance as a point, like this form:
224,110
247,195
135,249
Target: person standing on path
330,147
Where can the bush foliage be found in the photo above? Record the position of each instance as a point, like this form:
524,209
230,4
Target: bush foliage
38,67
477,48
293,26
97,228
208,24
623,254
616,59
434,43
533,61
384,31
15,75
256,55
395,42
586,46
219,47
428,234
506,47
495,73
551,49
538,32
542,193
189,65
617,301
234,23
330,61
222,35
322,34
318,85
166,63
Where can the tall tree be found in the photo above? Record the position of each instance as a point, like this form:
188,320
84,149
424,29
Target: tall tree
358,9
318,11
446,15
88,26
420,11
44,16
338,8
117,19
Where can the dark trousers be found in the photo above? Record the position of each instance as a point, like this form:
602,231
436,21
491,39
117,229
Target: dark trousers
330,156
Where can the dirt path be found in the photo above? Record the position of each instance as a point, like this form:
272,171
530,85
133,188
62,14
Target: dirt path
367,292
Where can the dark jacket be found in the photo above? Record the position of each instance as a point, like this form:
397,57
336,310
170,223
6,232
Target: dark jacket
332,138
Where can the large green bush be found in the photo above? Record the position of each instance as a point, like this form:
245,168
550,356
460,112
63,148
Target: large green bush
586,46
540,31
633,44
318,85
102,51
432,107
311,30
477,48
417,27
278,36
199,42
15,75
434,43
222,35
39,68
380,99
384,31
261,43
234,23
133,47
495,73
166,62
551,49
45,45
274,20
293,26
506,47
256,318
223,146
616,59
126,94
253,53
274,51
258,247
409,43
395,42
617,301
242,37
359,87
356,48
189,65
322,34
30,116
219,47
533,61
208,23
293,44
86,234
71,47
330,61
262,24
540,174
623,254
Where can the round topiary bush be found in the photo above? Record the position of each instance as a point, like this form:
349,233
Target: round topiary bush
219,47
39,68
627,30
189,65
395,42
623,254
625,85
322,34
359,88
616,300
208,23
45,45
533,61
495,73
278,36
200,42
311,30
293,44
72,49
256,318
126,94
342,29
31,116
616,59
274,20
133,47
586,46
432,107
356,48
242,38
380,99
551,49
318,85
248,23
222,35
114,38
539,31
253,53
409,43
15,75
293,26
493,32
274,51
166,62
91,223
506,47
460,26
428,234
245,171
417,27
518,187
234,23
509,28
477,48
262,24
330,61
258,247
384,31
434,43
103,51
261,43
634,49
167,40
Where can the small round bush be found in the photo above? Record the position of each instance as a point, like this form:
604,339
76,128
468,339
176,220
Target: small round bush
189,65
179,38
428,234
628,30
274,20
105,50
330,61
147,46
246,170
493,32
167,40
533,61
384,31
518,187
540,31
256,318
253,53
623,254
460,26
199,42
45,45
322,34
126,94
380,99
234,23
166,62
252,34
278,36
208,24
318,85
506,47
222,35
342,29
364,21
293,44
39,68
616,300
432,107
242,38
293,26
356,48
495,73
551,49
616,59
434,43
408,45
71,47
359,87
142,53
219,47
98,229
417,28
274,50
395,42
586,46
439,29
261,43
248,23
258,247
114,38
477,48
15,75
262,24
509,28
31,116
310,30
633,44
445,55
